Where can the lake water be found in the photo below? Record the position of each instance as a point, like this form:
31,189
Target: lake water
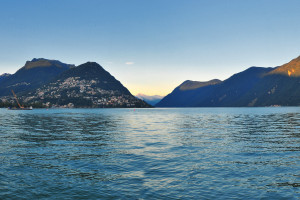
186,153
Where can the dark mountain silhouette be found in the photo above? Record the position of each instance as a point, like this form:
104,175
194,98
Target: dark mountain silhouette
231,92
34,74
281,86
189,93
94,71
256,86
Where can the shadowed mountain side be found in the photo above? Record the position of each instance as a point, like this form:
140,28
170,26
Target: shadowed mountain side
188,94
280,86
92,70
231,91
227,93
34,74
274,89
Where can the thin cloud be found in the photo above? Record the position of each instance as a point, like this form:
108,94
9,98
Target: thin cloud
129,63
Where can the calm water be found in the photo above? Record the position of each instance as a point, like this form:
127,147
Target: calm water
203,153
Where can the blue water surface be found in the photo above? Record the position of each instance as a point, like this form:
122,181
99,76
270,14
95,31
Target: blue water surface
182,153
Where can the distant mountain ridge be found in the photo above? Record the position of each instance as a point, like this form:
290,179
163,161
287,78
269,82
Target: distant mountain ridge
152,100
256,86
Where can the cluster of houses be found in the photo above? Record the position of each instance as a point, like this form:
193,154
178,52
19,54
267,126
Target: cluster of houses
74,89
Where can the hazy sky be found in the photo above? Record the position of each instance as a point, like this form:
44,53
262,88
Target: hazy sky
152,46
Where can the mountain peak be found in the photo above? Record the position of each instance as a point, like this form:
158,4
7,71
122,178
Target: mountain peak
37,59
91,69
90,64
291,68
5,75
42,62
33,74
191,85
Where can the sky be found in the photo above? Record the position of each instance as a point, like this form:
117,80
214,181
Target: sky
152,46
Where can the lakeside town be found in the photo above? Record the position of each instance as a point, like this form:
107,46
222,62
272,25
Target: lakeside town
75,92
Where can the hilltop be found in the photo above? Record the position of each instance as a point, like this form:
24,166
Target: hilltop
32,75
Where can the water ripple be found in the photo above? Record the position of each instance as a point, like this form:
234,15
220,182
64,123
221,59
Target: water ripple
203,153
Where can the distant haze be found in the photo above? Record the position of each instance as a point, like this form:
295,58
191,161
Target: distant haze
152,100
